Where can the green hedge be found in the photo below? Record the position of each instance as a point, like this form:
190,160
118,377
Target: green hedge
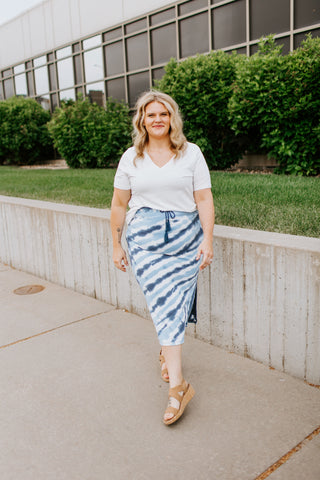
268,103
24,135
276,105
89,136
202,87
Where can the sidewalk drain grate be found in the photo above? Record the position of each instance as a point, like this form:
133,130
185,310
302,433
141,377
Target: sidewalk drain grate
28,290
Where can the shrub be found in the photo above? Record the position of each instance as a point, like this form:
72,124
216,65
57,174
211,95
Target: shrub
202,87
24,135
276,104
89,136
254,101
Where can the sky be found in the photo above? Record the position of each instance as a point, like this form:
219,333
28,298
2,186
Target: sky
11,8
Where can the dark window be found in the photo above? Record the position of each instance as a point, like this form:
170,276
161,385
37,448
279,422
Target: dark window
137,84
285,42
79,91
157,74
229,24
253,49
96,95
136,26
307,12
116,89
137,52
162,16
54,100
76,47
191,6
50,57
163,44
239,51
52,77
112,35
271,16
7,73
30,83
113,55
299,37
194,35
8,88
77,69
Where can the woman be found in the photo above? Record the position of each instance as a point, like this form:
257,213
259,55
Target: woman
166,183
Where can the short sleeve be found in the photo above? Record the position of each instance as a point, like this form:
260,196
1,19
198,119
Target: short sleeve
121,179
201,177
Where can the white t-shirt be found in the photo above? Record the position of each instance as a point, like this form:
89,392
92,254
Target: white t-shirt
169,187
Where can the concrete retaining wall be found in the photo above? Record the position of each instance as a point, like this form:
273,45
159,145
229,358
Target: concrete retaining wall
260,298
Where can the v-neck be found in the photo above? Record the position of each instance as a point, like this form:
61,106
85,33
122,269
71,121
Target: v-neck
157,166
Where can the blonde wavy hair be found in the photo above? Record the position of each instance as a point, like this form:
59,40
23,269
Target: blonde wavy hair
140,136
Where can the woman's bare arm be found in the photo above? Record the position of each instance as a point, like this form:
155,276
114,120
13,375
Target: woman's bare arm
119,205
204,202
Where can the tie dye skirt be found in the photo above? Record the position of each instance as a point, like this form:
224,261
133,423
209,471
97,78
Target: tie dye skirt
163,247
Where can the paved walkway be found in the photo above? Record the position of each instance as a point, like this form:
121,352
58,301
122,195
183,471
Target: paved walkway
82,399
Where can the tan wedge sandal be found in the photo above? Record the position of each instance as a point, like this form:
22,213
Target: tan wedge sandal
164,371
184,399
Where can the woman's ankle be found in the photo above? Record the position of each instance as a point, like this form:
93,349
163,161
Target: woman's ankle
176,380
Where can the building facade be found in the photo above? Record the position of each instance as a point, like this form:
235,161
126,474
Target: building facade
104,48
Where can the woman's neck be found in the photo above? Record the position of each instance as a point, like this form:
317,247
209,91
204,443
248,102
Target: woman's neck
161,144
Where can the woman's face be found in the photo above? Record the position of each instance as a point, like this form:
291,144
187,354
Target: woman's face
157,120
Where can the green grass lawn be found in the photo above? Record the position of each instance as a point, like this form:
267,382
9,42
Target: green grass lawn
274,203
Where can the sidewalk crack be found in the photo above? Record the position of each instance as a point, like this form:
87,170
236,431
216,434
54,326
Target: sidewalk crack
287,455
55,328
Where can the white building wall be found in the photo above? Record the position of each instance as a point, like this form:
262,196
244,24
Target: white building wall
54,23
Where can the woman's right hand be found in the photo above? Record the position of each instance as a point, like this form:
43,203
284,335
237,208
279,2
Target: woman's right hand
119,258
119,205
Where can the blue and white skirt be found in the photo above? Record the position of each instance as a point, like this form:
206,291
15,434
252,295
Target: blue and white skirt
163,247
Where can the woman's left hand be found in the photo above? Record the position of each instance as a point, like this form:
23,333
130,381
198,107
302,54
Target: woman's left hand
204,202
206,250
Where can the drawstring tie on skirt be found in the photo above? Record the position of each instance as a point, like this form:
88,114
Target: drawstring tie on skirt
168,214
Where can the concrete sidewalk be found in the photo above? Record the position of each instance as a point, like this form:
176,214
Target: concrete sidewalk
82,399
